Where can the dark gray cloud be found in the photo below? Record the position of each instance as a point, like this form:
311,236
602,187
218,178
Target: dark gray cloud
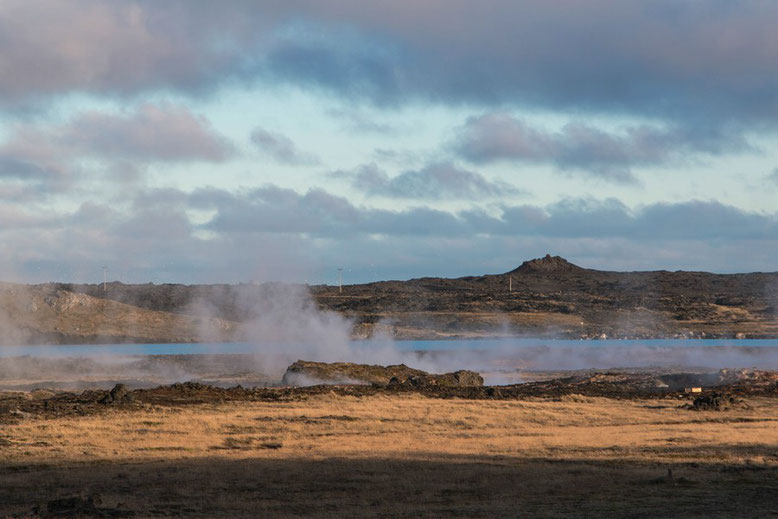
281,148
693,220
697,61
126,48
433,182
17,167
321,214
700,62
317,213
579,146
276,233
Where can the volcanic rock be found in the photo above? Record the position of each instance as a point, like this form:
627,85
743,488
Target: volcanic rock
461,378
548,263
117,395
714,402
304,373
751,376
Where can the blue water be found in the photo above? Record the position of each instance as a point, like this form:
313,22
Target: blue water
504,345
488,344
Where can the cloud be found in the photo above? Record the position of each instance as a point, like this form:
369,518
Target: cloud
281,148
700,62
692,220
339,58
111,49
380,244
18,167
694,61
275,233
51,157
433,182
773,177
149,133
318,213
579,146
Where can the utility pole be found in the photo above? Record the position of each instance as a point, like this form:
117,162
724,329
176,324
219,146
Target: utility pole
340,280
510,283
105,279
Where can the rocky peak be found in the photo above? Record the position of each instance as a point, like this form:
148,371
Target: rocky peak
548,263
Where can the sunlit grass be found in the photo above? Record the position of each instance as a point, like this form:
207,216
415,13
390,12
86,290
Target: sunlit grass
407,427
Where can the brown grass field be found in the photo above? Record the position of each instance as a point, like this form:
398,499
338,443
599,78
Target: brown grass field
400,456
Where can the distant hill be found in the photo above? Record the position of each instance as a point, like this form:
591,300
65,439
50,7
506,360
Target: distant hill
44,314
546,264
543,297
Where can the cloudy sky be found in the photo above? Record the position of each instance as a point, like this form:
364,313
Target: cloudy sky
200,141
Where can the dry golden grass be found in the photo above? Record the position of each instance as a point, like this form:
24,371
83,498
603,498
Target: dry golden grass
409,427
591,443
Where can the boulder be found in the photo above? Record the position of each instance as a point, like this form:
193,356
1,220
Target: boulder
119,394
461,378
304,373
714,402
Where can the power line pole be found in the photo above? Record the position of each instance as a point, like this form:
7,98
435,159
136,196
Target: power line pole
340,280
510,283
105,279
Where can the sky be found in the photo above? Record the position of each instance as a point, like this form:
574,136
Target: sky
192,141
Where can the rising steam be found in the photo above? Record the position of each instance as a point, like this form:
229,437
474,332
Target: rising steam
282,323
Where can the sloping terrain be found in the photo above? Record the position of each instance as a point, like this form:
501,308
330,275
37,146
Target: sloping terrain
552,297
45,314
545,297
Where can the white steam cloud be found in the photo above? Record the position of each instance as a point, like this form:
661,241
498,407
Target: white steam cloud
283,323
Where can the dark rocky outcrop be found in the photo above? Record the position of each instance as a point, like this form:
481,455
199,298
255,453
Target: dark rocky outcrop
546,264
118,395
461,378
712,402
544,297
304,373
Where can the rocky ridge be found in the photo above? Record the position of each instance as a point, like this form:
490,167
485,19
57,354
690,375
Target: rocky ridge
543,297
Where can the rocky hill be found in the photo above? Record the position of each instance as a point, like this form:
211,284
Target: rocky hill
544,297
45,314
